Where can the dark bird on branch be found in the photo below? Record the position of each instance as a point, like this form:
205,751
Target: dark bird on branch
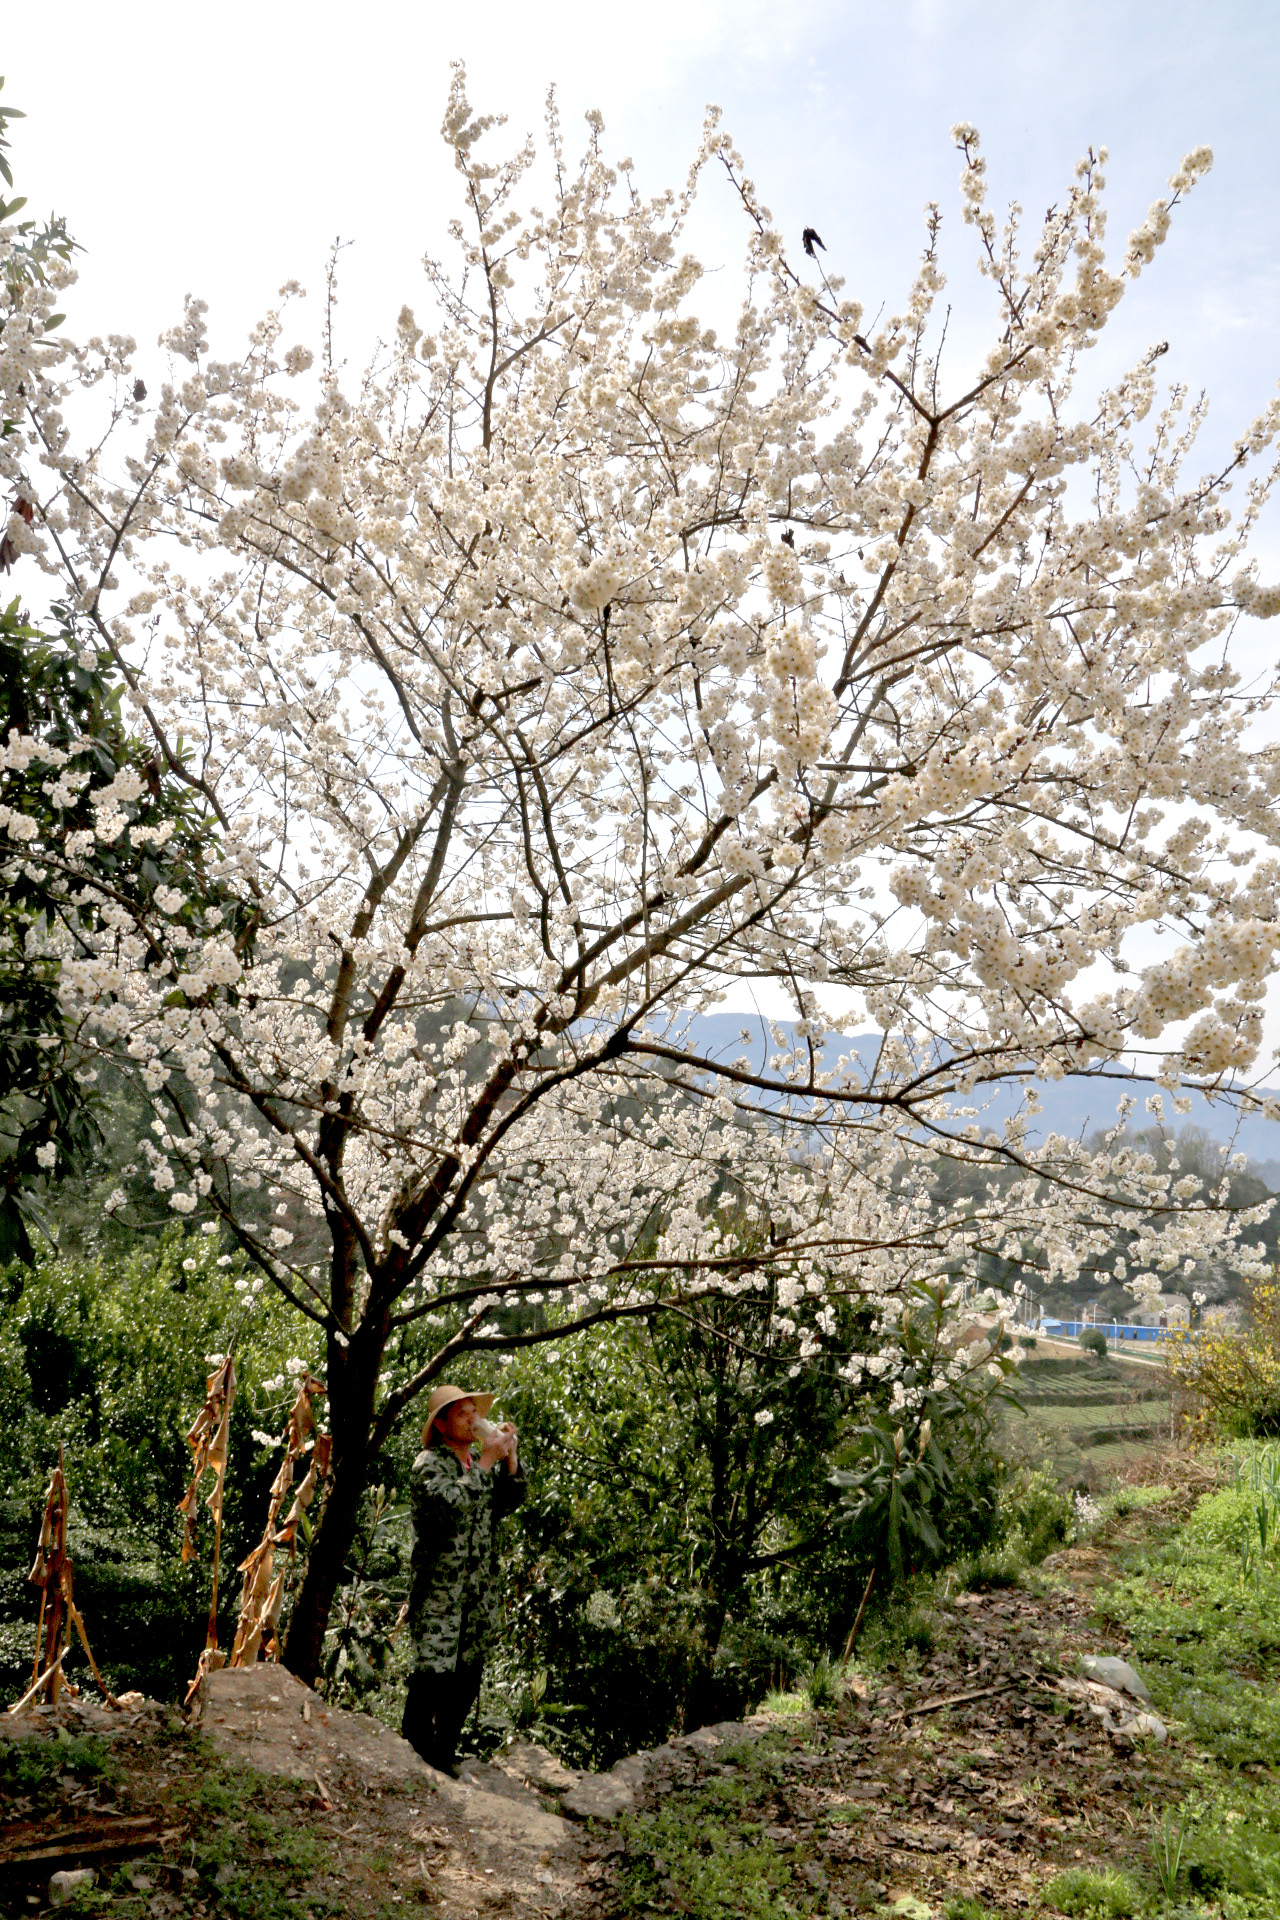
812,238
788,538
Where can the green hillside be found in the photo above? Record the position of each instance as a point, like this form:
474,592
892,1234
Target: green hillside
1089,1419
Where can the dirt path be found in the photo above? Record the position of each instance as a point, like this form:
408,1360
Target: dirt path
975,1768
971,1772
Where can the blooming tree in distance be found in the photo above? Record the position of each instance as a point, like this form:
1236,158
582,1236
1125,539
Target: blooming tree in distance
574,663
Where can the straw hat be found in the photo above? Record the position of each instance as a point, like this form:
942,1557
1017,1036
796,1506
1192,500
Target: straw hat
444,1397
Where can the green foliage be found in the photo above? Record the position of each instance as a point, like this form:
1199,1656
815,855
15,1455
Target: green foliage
681,1522
1229,1379
1168,1843
822,1683
1206,1636
667,1529
35,1767
920,1486
901,1634
1133,1500
32,247
704,1854
55,692
106,1359
1094,1340
1035,1514
1080,1891
59,692
1231,1844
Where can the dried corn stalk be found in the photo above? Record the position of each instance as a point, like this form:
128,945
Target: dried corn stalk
262,1595
53,1572
208,1439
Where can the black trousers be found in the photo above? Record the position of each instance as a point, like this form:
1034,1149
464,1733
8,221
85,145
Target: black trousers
436,1706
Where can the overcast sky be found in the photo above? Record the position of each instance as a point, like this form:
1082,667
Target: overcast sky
220,149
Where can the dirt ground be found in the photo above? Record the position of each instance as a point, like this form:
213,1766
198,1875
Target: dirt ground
965,1770
897,1794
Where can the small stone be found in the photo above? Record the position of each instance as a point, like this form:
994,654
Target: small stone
64,1886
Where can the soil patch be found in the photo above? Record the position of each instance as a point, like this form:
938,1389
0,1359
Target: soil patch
973,1772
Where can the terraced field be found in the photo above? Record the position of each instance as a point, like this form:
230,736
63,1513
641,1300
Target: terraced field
1089,1419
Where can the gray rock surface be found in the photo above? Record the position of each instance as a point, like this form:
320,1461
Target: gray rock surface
598,1796
493,1829
537,1767
64,1886
606,1796
1116,1710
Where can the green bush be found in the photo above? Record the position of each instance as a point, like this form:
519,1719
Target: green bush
1094,1340
1035,1508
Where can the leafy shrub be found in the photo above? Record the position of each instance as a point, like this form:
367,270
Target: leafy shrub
1228,1380
1035,1509
999,1565
822,1685
1094,1340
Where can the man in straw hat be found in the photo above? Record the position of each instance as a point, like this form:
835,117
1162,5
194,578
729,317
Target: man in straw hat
457,1501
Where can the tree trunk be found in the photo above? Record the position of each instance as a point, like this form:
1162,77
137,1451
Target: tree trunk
352,1385
330,1545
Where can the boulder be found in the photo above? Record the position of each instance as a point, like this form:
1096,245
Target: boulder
64,1886
599,1796
267,1719
537,1768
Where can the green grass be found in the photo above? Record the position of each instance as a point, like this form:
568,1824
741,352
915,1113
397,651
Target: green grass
1081,1891
36,1766
250,1857
1203,1626
1206,1637
704,1855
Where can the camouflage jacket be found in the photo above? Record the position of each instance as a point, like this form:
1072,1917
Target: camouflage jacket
455,1599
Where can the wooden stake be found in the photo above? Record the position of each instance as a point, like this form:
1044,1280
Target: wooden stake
852,1641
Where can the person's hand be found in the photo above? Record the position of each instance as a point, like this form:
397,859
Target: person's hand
501,1447
509,1433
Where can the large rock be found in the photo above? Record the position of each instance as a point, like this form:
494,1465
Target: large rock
1116,1710
493,1830
266,1718
537,1768
598,1796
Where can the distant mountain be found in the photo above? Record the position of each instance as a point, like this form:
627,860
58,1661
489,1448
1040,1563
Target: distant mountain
1075,1106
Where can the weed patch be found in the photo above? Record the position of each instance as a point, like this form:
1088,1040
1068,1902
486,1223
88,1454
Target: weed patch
1083,1894
1206,1633
705,1854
